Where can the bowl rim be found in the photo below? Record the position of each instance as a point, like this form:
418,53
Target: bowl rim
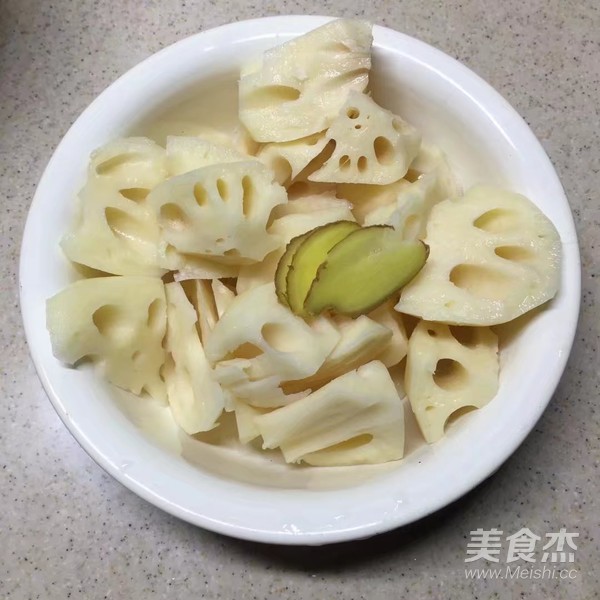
383,36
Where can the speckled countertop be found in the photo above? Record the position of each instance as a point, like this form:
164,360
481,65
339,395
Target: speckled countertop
67,530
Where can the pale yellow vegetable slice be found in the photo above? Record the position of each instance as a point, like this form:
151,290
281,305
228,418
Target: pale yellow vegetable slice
308,258
449,369
296,89
223,296
363,270
234,375
494,256
372,145
361,341
284,345
288,159
115,231
395,350
118,322
367,199
188,153
194,266
357,418
244,419
195,397
313,203
206,307
219,212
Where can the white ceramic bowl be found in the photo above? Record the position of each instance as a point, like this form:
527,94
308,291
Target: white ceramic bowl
486,141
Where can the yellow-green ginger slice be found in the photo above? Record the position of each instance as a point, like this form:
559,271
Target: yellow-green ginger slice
308,258
283,266
363,270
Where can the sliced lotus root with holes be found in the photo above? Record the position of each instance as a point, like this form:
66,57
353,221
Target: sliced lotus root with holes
279,343
325,202
288,159
115,231
409,212
448,370
296,217
301,189
296,89
234,375
431,159
119,323
219,212
493,256
245,414
185,154
357,418
223,295
194,266
369,199
395,350
133,165
195,397
305,214
203,299
372,145
361,340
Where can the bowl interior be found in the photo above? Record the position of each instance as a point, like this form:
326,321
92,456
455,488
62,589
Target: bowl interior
234,489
